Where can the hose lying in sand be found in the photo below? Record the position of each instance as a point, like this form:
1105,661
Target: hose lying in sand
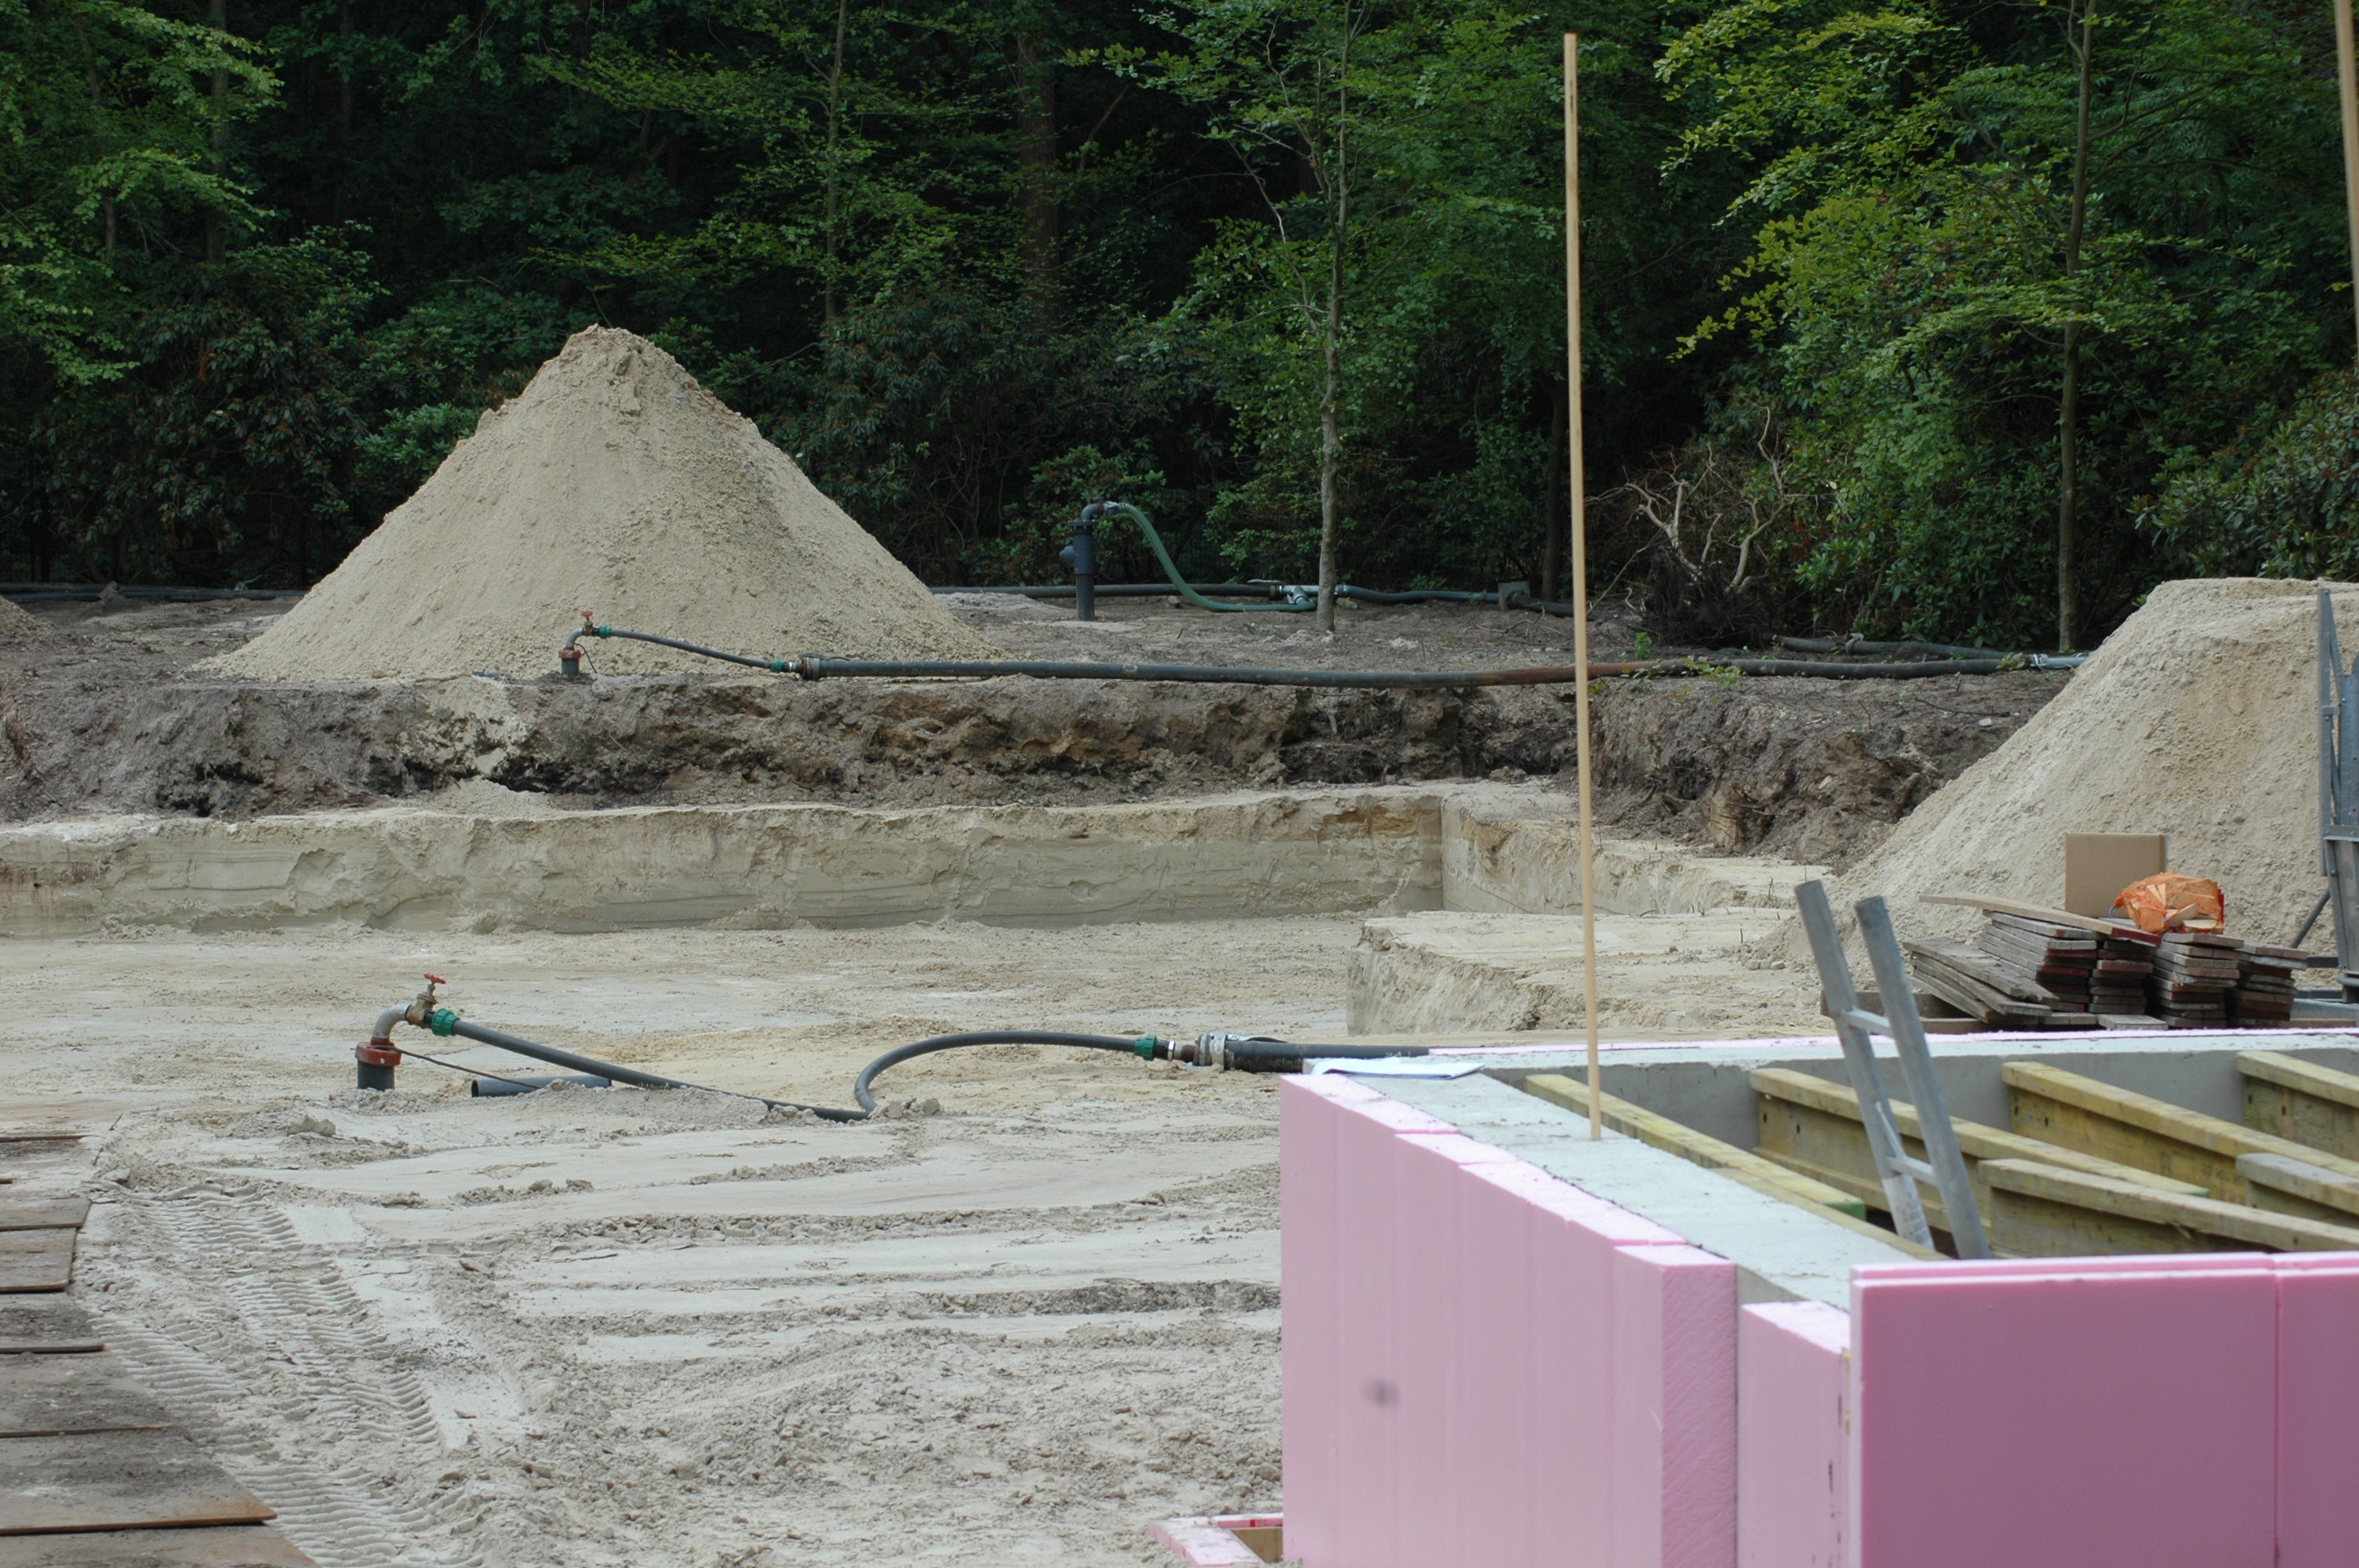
1235,1053
811,667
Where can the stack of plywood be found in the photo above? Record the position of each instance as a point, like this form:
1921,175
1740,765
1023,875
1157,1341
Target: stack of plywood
2264,995
2193,973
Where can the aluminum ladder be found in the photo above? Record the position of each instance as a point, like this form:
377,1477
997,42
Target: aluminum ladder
2338,799
1857,1028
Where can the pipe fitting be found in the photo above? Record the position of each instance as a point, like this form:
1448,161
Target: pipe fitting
1081,554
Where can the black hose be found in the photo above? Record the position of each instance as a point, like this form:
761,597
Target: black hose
29,593
1144,1045
1249,1054
1855,646
1134,590
557,1058
811,667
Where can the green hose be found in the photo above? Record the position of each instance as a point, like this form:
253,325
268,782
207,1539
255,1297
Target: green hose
1154,542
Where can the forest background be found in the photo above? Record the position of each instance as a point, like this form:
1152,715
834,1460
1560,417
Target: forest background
974,262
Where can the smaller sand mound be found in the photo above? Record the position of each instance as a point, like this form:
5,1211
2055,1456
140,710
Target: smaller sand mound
2198,719
614,484
19,626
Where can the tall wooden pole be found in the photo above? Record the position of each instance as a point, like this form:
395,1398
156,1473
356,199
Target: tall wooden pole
2347,61
1580,561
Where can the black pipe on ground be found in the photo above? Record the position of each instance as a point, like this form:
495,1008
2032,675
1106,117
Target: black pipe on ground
811,667
34,592
1248,1053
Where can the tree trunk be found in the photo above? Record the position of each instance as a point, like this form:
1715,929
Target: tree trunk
1558,411
834,164
2068,587
343,109
1035,133
216,231
1331,413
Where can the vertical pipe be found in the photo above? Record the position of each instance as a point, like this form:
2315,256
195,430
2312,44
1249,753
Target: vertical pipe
1580,563
2347,70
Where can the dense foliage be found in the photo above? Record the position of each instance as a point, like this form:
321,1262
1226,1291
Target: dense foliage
1257,264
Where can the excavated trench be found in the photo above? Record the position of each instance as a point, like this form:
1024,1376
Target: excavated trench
1812,770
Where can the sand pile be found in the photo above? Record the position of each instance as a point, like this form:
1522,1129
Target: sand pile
2197,718
18,625
614,484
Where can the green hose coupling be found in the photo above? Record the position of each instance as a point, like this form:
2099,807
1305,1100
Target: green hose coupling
1145,1045
442,1021
778,666
601,630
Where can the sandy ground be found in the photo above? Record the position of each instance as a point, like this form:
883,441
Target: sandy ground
612,1326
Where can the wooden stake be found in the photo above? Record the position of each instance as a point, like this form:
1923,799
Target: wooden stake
1581,560
2347,63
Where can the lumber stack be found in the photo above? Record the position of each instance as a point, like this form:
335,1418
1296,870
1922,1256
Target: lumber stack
2103,974
2264,995
2193,973
2001,995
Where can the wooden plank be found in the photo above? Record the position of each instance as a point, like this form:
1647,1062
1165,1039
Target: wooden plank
2057,1106
2200,1225
30,1215
116,1480
227,1546
1674,1137
36,1259
1975,1140
2292,1099
1974,964
45,1319
2299,1178
56,1396
1814,1127
1990,906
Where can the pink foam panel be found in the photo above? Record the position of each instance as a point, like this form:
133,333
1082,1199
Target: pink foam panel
1396,1116
1490,1464
1205,1543
2318,1412
2064,1421
1435,1317
1311,1294
1569,1362
1369,1166
1674,1418
1791,1464
2047,1268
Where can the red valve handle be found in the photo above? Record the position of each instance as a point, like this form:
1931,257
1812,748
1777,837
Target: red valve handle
436,980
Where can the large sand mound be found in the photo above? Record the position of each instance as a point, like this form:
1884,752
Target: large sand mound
614,484
2198,719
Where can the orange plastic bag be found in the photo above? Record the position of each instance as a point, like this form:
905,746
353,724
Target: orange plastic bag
2170,902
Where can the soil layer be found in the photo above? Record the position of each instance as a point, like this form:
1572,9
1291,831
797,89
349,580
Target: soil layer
105,716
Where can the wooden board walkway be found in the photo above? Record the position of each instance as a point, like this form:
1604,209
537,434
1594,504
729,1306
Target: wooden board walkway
93,1472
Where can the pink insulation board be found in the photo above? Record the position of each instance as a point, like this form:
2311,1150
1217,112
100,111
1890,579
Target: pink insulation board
2065,1420
2318,1410
1674,1337
1792,1472
1308,1117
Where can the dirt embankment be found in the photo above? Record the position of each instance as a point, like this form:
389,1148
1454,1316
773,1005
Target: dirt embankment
99,716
